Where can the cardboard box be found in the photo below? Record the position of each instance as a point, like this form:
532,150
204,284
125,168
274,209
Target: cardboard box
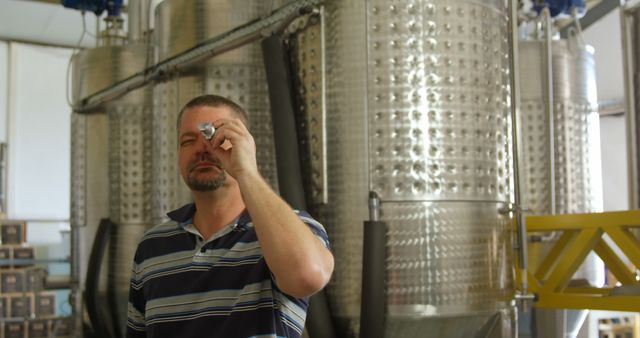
23,252
61,326
45,303
15,330
627,326
13,233
21,305
34,279
38,328
4,306
5,254
12,281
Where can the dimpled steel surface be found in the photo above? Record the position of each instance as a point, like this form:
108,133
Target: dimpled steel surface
417,110
576,129
127,157
237,74
129,176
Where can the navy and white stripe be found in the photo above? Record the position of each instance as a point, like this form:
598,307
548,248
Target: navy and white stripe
183,286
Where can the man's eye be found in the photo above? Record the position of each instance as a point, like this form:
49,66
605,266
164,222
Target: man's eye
186,142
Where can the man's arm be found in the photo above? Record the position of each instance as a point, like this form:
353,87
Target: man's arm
300,262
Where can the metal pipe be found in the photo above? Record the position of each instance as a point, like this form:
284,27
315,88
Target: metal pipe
515,118
374,256
548,74
629,71
138,20
76,297
96,311
319,321
222,43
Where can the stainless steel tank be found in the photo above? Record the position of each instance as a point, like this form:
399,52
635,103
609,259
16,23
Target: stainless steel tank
126,156
130,176
237,74
417,110
576,129
574,160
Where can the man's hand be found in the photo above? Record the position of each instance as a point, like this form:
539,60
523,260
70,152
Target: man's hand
238,154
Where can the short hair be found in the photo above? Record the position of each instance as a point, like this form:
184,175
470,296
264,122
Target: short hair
210,100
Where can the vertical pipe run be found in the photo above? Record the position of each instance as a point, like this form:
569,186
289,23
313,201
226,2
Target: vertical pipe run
515,118
136,19
284,125
629,74
319,320
548,62
374,256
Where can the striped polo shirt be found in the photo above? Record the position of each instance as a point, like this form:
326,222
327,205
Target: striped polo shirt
184,286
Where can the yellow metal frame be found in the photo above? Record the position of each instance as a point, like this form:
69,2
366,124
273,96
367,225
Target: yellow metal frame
580,235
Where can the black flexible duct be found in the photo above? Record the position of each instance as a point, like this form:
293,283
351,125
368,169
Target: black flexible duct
372,305
99,318
319,321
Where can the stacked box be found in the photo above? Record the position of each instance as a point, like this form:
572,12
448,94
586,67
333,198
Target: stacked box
21,305
26,311
45,304
23,252
15,329
4,306
60,326
13,233
627,326
12,281
34,278
39,328
5,255
22,280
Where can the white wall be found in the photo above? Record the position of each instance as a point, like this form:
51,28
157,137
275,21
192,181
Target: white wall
47,23
614,162
37,127
4,71
605,37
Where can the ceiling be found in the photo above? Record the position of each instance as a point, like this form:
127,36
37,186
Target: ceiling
48,22
44,22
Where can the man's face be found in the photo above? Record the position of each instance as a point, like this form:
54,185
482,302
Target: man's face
199,169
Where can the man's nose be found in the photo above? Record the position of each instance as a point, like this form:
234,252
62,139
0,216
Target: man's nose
201,144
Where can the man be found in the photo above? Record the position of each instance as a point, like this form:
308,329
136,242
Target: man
238,262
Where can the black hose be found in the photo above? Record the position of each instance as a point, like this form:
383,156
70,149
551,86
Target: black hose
319,321
372,306
97,316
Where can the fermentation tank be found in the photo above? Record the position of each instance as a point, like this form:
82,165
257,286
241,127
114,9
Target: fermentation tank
237,74
576,129
126,122
417,110
573,156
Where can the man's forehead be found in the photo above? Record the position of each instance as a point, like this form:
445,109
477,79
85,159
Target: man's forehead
208,110
193,116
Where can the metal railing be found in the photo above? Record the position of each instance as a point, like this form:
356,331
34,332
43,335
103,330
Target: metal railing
582,234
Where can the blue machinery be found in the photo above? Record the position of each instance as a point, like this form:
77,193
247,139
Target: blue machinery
112,7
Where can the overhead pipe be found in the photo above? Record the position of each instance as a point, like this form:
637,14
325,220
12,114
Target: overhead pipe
240,36
281,97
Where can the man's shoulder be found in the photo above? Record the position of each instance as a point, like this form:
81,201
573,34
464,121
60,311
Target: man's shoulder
160,240
166,229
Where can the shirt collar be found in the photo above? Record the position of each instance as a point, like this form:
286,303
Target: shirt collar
184,215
